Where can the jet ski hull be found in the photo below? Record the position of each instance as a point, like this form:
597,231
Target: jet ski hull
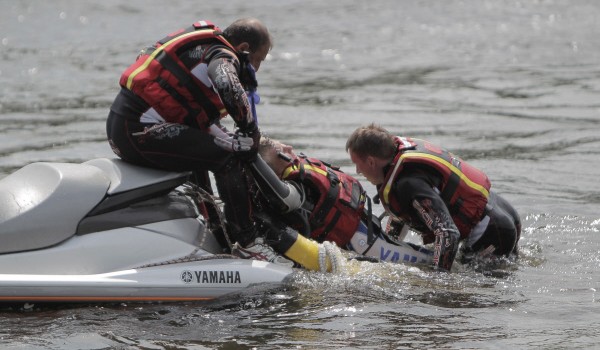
187,281
109,231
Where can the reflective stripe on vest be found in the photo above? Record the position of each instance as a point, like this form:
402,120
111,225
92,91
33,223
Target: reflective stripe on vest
453,169
160,49
464,189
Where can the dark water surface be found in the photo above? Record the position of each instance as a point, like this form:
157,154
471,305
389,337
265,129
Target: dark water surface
511,86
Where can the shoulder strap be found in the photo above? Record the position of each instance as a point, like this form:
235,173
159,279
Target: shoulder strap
370,233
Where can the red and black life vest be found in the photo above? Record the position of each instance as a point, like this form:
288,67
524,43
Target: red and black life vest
337,213
166,84
464,189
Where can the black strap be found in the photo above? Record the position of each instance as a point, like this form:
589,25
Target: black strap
190,118
357,194
456,207
450,188
186,80
370,233
325,207
301,172
330,226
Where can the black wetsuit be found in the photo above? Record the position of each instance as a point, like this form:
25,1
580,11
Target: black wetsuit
415,192
180,147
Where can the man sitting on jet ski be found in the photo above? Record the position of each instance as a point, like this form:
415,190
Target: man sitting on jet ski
168,112
327,206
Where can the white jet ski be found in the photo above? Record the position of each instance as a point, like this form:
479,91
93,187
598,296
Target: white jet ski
109,231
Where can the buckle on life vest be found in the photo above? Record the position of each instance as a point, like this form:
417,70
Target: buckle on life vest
148,50
376,199
334,180
203,25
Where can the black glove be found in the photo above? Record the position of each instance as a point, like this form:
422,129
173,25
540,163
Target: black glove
235,142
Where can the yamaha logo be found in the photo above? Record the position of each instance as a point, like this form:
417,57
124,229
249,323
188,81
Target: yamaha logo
187,276
210,277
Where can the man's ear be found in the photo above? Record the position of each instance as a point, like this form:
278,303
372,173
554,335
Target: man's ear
371,161
243,47
375,162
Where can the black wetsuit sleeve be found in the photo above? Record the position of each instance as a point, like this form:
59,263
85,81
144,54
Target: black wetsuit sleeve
223,68
428,212
283,196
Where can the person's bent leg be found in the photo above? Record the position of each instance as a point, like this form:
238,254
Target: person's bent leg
178,147
503,230
233,190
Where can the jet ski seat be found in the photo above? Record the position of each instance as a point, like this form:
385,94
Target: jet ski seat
132,183
42,203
